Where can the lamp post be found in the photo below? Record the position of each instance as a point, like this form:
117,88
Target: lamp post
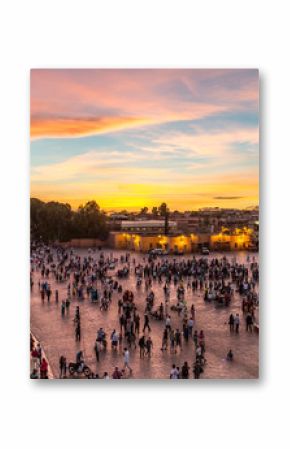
166,224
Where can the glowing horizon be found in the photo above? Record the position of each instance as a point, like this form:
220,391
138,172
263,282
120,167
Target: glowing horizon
136,138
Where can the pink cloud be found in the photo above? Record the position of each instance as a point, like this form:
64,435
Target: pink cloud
156,96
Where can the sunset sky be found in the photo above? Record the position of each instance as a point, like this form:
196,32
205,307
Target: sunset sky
134,138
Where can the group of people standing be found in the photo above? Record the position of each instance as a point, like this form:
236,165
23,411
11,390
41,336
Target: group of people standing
38,363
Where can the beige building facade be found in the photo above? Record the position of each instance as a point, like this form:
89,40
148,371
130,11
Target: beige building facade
238,240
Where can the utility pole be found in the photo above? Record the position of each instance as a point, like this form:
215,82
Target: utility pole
166,224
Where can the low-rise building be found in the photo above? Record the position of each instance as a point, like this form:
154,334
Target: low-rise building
148,226
145,241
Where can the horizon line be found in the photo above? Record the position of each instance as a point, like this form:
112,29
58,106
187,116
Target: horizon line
131,209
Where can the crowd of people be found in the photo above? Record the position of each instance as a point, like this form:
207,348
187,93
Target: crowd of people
101,279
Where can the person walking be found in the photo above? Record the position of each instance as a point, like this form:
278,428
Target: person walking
137,323
78,332
190,324
127,360
197,370
43,369
177,338
63,308
174,372
249,323
237,323
142,346
172,341
231,322
185,371
149,346
146,323
168,323
164,340
230,356
97,351
62,367
114,339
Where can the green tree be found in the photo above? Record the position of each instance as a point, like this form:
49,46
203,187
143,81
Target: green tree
35,226
163,209
155,211
56,221
90,222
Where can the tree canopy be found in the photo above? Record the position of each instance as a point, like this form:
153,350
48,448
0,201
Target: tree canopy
53,221
163,209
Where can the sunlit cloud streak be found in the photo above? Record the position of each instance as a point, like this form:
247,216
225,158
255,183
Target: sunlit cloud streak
77,127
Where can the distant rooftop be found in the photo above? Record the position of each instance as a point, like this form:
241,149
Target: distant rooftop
146,224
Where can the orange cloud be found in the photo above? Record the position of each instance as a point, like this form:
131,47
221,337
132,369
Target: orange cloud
82,127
